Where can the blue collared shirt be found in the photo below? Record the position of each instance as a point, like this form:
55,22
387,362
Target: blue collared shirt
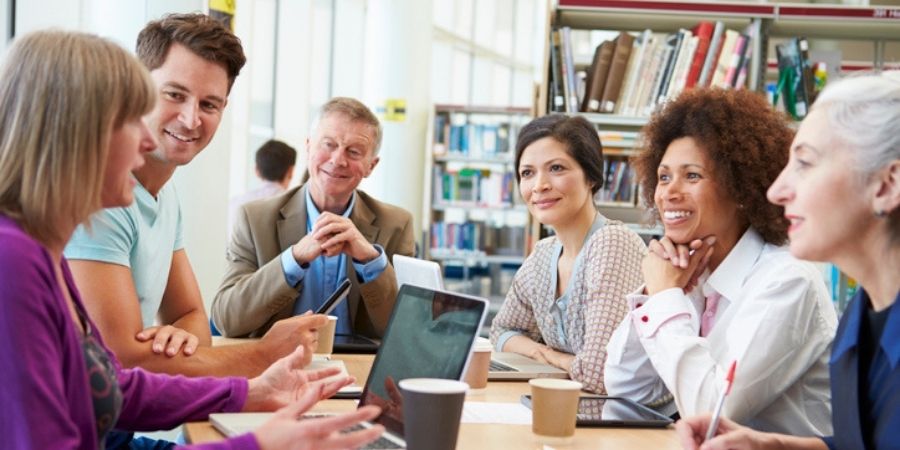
882,385
323,274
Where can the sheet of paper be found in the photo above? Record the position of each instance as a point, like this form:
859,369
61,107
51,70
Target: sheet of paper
319,363
502,413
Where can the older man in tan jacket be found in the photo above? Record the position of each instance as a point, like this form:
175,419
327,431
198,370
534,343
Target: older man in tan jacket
289,253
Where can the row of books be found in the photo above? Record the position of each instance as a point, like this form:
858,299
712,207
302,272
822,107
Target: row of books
472,236
479,187
618,184
631,74
454,134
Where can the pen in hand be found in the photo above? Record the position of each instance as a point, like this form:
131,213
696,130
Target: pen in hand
714,422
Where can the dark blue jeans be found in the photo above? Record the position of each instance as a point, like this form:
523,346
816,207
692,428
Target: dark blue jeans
122,440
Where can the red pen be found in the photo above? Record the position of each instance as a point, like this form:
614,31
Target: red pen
714,423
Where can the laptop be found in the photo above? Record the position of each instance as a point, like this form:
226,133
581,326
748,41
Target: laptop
504,366
430,335
414,271
418,272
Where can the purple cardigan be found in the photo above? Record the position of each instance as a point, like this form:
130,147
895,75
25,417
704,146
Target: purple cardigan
45,399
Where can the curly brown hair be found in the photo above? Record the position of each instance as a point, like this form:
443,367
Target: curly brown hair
745,139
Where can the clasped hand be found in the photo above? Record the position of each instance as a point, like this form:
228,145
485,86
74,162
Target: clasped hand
670,265
331,235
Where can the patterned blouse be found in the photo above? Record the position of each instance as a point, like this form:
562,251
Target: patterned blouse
609,267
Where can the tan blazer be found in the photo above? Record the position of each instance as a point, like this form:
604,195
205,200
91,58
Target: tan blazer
254,293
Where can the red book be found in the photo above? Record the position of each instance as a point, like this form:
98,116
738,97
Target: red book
704,32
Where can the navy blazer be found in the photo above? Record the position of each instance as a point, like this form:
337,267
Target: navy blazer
845,382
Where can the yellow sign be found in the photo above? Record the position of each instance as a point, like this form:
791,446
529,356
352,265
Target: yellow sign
225,6
395,110
223,11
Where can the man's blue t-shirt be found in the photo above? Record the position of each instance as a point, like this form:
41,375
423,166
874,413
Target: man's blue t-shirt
142,237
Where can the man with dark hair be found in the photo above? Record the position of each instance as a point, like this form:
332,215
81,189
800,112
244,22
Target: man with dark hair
288,253
131,265
275,162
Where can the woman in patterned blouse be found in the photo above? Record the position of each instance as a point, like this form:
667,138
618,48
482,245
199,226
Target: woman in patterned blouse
569,295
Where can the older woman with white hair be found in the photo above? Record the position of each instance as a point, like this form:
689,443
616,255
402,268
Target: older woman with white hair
841,194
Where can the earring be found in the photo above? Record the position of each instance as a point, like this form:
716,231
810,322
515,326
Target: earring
880,213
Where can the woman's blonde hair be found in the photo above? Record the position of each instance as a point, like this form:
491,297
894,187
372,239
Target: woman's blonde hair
61,96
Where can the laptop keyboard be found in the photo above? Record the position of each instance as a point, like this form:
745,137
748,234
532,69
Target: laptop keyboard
381,443
500,367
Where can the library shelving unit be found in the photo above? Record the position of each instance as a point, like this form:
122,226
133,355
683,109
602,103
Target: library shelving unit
474,217
765,23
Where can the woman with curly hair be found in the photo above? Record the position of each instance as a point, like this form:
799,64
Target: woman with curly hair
841,192
720,286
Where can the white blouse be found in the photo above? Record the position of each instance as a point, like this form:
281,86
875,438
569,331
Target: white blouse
774,318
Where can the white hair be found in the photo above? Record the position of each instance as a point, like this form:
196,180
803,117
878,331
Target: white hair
864,111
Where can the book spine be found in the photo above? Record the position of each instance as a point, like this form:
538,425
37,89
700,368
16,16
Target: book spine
724,58
600,75
712,55
613,88
703,31
735,62
557,94
632,73
569,64
679,75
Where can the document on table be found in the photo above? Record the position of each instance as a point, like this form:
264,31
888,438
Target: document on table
320,362
501,413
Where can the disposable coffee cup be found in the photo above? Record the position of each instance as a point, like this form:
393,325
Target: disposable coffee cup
326,336
432,408
554,407
479,364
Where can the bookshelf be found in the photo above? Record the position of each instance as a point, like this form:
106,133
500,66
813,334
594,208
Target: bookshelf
475,221
580,27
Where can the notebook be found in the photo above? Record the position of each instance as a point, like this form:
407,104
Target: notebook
430,335
418,272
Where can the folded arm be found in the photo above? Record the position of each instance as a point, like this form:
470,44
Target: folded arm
111,300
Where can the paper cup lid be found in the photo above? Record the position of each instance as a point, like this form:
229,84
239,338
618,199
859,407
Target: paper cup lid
433,385
555,383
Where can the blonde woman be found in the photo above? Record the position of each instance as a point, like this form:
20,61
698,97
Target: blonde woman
70,134
841,193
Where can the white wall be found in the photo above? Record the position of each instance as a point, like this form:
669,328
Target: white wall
397,66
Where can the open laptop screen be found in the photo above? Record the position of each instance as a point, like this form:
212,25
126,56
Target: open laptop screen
430,335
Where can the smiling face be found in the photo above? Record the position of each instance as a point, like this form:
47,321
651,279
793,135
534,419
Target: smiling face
823,198
192,95
552,183
127,145
341,153
691,203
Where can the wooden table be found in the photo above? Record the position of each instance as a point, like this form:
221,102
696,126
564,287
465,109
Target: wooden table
487,436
